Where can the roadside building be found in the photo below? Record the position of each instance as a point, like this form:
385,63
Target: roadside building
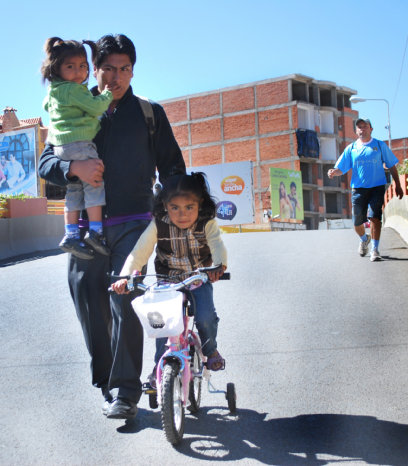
293,122
400,148
23,140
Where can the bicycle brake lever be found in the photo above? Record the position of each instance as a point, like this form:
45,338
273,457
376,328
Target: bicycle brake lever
130,283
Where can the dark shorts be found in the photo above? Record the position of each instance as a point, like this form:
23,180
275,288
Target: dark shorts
367,203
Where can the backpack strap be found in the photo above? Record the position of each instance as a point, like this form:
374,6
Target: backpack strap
379,146
386,170
148,113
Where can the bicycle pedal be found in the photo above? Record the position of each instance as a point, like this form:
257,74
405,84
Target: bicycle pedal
148,389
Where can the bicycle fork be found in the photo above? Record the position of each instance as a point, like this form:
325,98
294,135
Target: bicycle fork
182,357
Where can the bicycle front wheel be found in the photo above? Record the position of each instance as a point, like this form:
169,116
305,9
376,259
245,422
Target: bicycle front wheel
172,410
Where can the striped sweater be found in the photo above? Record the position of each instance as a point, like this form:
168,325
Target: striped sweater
178,250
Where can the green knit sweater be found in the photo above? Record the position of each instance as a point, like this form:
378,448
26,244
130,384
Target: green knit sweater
73,112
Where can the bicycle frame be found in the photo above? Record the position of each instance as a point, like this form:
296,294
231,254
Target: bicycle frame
179,350
178,346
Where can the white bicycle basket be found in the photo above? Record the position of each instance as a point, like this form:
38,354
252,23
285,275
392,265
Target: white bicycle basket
161,314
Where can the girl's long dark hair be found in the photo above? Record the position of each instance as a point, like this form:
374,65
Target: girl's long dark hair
280,192
56,51
186,185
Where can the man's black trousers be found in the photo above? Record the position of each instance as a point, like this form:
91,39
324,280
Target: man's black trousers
112,331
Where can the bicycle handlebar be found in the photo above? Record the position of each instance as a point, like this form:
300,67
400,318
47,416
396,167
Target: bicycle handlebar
200,275
213,268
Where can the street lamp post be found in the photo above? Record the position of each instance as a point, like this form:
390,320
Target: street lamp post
355,100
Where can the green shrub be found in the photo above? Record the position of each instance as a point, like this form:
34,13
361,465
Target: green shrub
4,197
403,167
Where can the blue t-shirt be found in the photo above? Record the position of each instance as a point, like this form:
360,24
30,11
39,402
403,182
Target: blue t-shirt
366,161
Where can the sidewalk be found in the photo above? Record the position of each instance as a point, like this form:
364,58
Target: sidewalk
396,216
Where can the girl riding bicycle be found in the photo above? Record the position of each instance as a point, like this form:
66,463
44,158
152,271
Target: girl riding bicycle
187,237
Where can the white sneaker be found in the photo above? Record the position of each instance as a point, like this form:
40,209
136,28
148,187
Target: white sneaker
363,246
375,255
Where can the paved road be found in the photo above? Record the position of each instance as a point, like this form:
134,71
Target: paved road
315,338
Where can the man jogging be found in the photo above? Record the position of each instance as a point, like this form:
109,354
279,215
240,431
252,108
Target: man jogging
366,158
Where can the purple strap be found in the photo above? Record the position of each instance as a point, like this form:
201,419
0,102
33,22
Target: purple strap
109,222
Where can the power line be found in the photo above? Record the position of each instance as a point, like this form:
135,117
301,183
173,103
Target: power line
399,77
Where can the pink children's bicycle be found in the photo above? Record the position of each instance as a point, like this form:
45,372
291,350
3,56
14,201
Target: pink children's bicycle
166,310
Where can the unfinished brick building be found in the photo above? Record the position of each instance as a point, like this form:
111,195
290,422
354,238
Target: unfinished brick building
263,122
400,148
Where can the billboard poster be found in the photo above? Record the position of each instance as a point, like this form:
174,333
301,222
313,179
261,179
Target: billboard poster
286,194
18,174
232,187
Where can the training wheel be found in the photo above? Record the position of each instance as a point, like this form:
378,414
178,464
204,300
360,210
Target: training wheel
231,397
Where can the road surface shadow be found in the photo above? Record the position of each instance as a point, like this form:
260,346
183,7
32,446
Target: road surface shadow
145,419
310,439
392,258
32,256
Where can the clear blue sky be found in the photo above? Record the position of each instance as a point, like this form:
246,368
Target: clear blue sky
190,46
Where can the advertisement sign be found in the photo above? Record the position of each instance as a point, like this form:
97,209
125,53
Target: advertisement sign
231,185
286,194
18,174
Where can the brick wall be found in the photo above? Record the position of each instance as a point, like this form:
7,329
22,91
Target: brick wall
205,106
272,93
206,156
239,126
275,120
181,134
238,100
346,131
206,131
275,147
176,111
400,148
240,151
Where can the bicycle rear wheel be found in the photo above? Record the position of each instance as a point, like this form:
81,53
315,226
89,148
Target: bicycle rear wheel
172,410
194,393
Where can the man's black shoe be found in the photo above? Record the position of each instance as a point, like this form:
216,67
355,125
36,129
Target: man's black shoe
76,247
122,409
97,242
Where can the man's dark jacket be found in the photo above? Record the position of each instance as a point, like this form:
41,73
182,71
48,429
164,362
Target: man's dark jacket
130,156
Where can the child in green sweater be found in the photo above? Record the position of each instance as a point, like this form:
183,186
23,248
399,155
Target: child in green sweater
74,123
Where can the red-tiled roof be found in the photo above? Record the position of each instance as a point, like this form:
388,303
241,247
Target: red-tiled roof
27,121
31,121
